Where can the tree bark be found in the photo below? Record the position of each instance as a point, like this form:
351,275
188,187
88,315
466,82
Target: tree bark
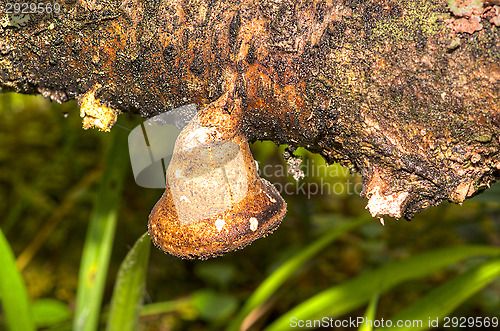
405,92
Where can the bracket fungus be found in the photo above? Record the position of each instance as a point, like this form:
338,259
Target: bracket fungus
214,201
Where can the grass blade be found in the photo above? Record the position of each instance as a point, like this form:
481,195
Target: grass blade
272,283
14,298
446,298
100,235
50,313
183,306
352,294
129,288
370,313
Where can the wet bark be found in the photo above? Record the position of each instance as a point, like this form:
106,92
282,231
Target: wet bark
405,92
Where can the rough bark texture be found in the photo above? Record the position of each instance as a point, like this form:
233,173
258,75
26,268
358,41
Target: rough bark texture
405,92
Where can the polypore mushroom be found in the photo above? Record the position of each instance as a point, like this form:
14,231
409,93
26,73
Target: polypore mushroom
215,201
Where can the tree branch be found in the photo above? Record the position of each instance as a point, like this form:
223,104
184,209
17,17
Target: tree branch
405,92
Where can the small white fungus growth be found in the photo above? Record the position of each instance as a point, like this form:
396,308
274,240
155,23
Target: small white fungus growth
254,224
219,224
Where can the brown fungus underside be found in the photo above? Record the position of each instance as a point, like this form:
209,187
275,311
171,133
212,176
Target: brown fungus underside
405,92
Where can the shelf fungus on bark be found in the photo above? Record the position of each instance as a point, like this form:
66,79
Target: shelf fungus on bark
215,201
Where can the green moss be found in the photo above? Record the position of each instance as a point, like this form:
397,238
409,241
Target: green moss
417,16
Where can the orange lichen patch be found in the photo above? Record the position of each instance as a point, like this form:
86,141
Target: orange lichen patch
462,191
95,114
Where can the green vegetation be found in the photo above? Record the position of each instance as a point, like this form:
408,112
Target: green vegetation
328,259
419,17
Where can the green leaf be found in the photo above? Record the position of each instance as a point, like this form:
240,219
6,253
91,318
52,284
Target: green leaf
182,306
445,299
213,306
129,287
15,302
272,283
100,235
370,313
50,312
216,273
352,294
